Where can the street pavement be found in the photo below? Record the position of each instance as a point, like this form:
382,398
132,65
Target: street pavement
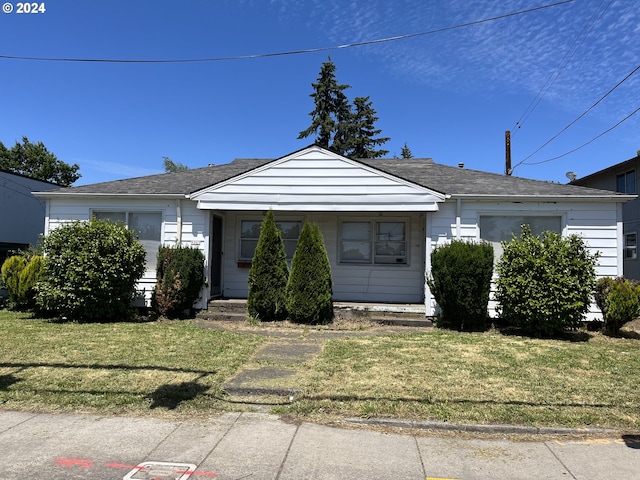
261,446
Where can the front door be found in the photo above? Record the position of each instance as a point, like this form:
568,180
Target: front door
216,256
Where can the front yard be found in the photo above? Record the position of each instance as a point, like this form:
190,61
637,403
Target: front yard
177,368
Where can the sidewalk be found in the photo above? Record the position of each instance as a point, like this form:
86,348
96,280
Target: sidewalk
261,446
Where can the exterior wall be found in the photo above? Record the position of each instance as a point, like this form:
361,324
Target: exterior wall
22,215
193,232
599,224
356,283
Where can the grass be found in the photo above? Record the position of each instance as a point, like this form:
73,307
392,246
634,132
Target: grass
176,368
155,368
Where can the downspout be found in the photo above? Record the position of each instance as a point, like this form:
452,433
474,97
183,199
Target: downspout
179,221
458,221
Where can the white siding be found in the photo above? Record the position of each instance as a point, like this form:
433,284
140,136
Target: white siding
315,180
195,224
357,283
596,222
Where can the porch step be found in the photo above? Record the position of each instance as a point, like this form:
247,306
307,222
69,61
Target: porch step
406,315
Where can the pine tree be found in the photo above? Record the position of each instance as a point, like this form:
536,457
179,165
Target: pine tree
361,142
269,274
331,106
406,151
310,291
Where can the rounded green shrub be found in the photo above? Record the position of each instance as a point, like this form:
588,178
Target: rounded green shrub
619,302
310,288
545,282
180,277
90,271
460,282
29,277
269,274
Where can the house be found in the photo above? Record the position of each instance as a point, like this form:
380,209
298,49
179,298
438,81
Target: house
22,215
381,219
622,178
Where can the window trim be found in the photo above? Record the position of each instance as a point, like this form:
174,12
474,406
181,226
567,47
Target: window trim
373,222
628,248
244,262
623,176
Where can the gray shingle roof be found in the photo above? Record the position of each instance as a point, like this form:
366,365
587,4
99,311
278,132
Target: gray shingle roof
424,172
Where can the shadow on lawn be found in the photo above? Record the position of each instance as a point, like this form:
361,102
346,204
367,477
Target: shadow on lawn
169,396
7,380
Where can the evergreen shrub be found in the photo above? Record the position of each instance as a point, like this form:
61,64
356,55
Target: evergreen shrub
90,271
619,302
268,275
180,277
29,277
461,282
545,282
11,269
310,288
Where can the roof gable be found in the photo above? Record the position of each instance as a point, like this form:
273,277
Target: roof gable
315,179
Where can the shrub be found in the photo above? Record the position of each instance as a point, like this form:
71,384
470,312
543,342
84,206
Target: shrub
310,291
29,277
90,270
461,282
180,277
618,300
11,269
545,283
269,274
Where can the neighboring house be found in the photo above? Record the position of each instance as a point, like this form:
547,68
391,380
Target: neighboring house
381,219
21,214
622,178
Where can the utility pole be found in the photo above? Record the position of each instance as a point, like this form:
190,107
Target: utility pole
507,147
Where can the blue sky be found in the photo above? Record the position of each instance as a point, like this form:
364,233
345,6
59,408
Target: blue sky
450,95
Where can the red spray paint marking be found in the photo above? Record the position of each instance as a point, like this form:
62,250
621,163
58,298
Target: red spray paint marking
74,462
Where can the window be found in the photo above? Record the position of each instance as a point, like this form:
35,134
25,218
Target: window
631,246
148,228
374,242
498,228
250,233
626,183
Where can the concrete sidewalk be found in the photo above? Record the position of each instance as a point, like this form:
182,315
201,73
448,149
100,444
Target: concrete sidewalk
261,446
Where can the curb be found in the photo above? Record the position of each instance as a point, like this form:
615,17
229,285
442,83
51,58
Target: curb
501,429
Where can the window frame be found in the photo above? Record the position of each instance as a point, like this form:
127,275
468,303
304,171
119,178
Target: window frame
151,257
633,249
244,260
625,183
373,241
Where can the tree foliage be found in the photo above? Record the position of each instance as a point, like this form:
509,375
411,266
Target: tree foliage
90,270
310,288
406,151
545,282
346,129
35,161
269,274
460,282
180,277
171,167
618,300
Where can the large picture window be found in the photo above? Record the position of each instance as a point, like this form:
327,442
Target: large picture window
499,228
250,233
148,228
374,242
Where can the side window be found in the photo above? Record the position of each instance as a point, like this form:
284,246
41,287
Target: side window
498,228
631,246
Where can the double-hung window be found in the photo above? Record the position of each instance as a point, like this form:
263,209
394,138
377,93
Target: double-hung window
631,246
374,242
250,233
626,182
147,227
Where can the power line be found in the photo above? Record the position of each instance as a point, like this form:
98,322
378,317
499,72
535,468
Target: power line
291,52
586,143
578,118
569,54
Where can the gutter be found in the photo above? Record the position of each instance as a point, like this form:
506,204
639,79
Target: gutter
52,194
614,198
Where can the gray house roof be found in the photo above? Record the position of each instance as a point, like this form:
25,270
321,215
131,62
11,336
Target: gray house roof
452,181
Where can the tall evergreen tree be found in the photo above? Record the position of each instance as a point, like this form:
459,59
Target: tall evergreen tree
269,274
331,106
406,151
361,142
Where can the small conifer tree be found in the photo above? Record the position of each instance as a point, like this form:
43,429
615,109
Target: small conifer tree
310,291
269,274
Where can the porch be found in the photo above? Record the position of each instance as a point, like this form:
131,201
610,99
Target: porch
408,315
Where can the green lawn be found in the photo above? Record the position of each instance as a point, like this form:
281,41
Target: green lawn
177,368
